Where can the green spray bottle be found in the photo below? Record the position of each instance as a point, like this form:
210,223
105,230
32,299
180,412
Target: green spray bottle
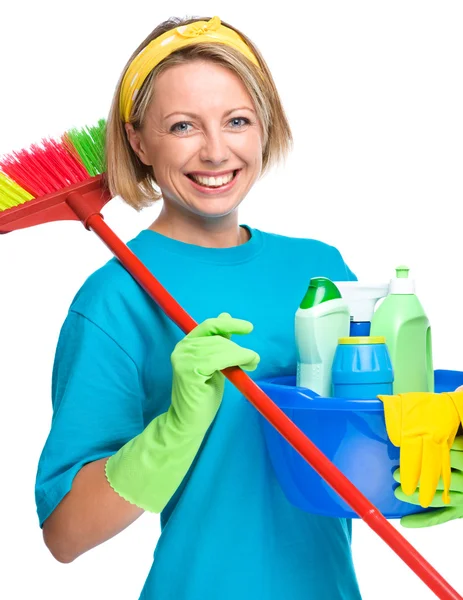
402,321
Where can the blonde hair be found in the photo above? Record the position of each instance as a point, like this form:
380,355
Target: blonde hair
127,176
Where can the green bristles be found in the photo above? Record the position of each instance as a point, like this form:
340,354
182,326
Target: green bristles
11,194
89,144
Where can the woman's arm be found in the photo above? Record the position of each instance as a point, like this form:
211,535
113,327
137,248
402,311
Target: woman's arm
149,467
91,513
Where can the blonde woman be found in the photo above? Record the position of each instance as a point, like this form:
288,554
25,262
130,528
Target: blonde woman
143,418
148,421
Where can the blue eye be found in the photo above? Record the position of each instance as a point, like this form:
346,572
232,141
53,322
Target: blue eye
175,128
241,119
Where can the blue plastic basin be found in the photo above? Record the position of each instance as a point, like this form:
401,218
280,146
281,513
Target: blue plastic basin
352,434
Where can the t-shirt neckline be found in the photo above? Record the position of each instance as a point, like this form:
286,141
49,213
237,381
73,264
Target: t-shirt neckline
233,254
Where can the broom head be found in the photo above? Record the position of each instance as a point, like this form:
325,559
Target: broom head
35,183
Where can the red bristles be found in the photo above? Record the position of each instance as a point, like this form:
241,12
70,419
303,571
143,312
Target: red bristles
44,169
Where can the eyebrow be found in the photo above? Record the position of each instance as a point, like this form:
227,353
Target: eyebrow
197,116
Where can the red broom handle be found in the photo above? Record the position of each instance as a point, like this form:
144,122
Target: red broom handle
292,434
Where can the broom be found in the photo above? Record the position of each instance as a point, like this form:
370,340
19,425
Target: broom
64,180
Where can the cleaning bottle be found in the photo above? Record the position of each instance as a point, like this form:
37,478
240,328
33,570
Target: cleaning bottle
403,323
362,298
322,318
362,368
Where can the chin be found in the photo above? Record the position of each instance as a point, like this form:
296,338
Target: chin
215,215
214,209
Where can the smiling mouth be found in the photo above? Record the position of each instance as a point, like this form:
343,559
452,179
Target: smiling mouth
212,186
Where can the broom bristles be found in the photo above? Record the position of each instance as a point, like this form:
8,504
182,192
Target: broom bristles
88,143
11,194
52,166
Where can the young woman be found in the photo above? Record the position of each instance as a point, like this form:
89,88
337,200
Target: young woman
143,418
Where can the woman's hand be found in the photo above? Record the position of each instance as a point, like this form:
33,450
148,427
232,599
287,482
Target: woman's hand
197,383
445,512
148,469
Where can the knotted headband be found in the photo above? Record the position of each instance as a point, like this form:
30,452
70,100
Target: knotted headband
159,48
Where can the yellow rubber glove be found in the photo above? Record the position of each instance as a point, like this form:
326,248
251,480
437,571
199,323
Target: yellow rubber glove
442,514
424,426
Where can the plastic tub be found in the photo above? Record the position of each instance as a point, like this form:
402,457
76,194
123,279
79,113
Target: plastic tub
352,434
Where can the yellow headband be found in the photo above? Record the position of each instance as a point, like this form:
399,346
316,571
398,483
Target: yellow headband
159,48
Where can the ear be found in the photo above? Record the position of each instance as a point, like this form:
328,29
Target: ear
135,140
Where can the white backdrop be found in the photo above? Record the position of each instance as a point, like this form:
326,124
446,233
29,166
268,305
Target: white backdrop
374,95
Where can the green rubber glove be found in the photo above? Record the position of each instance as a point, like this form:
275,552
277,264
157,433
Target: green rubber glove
148,469
445,512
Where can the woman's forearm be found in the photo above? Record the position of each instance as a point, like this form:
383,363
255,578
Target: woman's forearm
91,513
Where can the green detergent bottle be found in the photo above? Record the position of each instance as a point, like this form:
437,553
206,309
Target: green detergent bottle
402,321
321,319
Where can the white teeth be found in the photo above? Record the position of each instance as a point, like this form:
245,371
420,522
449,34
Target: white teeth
213,181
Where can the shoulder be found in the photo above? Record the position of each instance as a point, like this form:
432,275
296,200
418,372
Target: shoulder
301,244
109,312
310,254
113,301
111,288
107,288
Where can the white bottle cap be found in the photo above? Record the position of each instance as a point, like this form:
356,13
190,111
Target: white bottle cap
401,284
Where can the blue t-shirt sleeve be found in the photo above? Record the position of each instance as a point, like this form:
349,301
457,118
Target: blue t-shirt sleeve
97,407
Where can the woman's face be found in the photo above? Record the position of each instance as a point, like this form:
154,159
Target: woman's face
201,123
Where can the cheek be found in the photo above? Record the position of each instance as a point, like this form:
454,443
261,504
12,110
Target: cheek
164,157
175,151
256,140
249,147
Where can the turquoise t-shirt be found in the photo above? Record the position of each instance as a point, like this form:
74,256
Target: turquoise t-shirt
229,532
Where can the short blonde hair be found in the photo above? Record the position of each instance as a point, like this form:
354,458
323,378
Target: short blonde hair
127,176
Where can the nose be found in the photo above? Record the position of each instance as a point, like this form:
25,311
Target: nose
215,147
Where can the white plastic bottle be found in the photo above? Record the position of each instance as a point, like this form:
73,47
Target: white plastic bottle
321,319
